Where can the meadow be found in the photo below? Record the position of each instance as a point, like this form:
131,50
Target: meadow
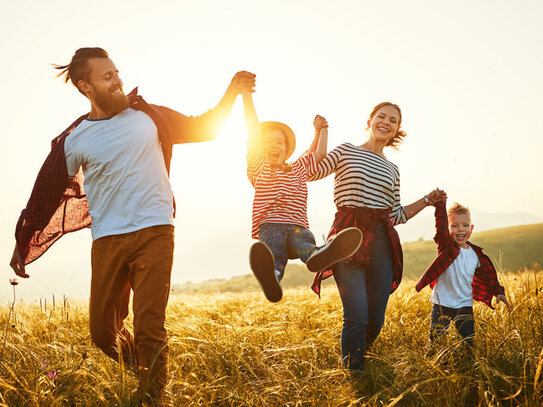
236,349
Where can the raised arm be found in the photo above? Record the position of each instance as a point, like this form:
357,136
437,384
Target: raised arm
251,123
328,164
431,199
442,225
190,129
319,145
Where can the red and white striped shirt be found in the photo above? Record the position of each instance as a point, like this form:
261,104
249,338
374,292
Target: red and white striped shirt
280,196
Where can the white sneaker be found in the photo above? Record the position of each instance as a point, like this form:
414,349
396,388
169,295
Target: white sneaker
263,266
342,246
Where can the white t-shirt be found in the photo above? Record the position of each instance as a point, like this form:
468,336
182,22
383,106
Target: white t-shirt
126,180
453,287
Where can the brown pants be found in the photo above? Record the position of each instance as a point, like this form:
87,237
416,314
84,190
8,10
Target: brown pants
141,261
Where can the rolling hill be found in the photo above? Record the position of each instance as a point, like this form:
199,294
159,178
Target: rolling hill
511,249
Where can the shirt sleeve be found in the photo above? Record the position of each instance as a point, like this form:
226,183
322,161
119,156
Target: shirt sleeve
255,167
397,214
73,159
327,165
442,235
310,164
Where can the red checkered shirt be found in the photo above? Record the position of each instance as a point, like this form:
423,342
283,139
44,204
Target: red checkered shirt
58,204
485,281
366,220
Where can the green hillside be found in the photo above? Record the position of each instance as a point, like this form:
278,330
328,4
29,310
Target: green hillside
510,249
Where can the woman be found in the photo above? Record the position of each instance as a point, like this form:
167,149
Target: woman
367,196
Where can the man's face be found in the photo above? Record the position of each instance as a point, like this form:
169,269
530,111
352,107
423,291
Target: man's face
460,228
104,87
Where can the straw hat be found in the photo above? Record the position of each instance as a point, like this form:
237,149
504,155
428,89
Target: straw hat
287,131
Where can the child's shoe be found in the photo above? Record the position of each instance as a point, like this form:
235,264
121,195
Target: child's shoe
263,266
341,247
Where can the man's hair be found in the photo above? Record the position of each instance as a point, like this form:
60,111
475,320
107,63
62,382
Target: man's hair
459,209
78,68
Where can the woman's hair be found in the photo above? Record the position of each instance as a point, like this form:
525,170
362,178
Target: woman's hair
459,209
395,141
78,68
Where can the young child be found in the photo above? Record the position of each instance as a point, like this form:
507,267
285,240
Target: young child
280,203
460,273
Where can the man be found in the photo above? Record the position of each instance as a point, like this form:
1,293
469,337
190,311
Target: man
124,147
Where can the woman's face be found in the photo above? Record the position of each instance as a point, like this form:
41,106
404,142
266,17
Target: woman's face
275,147
384,124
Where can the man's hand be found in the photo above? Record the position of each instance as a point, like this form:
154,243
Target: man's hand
502,298
243,81
17,263
319,123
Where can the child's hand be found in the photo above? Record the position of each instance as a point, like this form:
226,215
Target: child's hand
319,123
437,195
243,81
502,298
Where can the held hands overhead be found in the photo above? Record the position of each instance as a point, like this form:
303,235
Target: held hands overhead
243,81
437,195
319,123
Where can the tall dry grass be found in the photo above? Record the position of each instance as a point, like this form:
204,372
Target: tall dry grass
239,350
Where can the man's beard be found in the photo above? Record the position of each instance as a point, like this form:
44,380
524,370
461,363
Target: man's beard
111,103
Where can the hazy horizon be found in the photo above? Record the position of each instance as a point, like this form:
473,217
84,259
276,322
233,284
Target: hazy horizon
467,76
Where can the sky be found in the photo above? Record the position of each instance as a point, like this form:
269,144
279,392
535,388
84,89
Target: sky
467,75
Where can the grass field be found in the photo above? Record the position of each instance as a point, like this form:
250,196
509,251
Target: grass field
236,349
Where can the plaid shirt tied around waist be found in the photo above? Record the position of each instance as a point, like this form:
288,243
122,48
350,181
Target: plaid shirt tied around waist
367,220
485,283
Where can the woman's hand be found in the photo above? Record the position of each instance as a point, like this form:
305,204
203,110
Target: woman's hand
437,195
319,123
243,81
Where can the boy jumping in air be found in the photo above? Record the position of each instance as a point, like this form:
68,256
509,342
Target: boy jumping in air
460,273
280,202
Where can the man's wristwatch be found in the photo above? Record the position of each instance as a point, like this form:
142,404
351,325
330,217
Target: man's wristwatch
426,200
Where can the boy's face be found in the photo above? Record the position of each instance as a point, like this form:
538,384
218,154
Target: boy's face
460,228
275,147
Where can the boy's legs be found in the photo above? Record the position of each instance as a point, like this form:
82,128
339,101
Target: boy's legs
274,235
268,259
150,266
343,245
440,320
109,298
465,324
300,243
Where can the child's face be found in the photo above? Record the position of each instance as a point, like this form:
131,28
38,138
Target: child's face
460,228
275,147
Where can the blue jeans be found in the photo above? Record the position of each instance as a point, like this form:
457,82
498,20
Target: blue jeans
364,292
463,321
287,241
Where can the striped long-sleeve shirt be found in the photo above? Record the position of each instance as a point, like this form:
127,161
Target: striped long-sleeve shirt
280,197
363,178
